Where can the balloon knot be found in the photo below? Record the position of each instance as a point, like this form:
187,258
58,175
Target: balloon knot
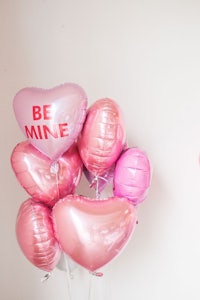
98,274
54,168
45,277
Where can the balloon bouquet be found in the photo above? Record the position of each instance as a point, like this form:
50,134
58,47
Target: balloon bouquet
65,140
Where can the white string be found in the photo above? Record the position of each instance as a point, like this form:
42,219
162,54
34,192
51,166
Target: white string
93,276
95,183
90,294
54,170
69,277
97,188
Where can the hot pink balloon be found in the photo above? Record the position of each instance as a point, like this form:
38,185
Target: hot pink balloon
35,235
132,175
93,232
103,136
51,119
44,181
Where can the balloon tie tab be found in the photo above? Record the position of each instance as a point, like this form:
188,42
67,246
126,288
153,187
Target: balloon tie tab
54,168
97,274
45,277
93,183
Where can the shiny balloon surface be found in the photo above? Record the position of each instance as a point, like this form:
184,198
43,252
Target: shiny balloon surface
103,136
43,180
93,232
35,235
51,119
132,175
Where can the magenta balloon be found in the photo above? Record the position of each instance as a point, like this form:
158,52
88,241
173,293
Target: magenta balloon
35,235
93,232
44,181
132,175
51,119
103,136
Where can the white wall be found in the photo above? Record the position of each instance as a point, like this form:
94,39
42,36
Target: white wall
146,56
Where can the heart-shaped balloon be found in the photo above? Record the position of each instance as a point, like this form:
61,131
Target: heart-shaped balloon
35,235
44,181
93,232
51,119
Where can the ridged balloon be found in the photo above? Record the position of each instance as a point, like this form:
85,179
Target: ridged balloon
103,136
35,235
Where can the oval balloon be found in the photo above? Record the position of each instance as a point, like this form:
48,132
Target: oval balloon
103,136
44,181
93,232
35,235
132,175
51,119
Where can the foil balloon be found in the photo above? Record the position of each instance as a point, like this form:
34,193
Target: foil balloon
132,175
51,119
35,235
93,232
43,180
103,136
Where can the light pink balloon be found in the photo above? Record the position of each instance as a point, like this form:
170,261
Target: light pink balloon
93,232
103,136
51,119
35,235
44,181
132,175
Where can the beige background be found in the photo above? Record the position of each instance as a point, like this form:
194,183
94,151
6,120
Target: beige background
146,56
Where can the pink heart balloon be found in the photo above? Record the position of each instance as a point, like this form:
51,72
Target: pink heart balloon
35,235
44,181
132,175
93,232
103,136
51,119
